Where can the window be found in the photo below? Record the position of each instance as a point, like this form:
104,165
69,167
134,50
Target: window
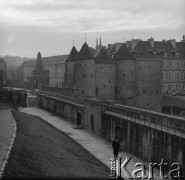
132,74
109,81
163,63
184,75
170,87
96,92
143,91
170,63
177,87
177,75
84,75
148,104
115,91
184,86
178,63
170,75
123,75
92,122
104,86
91,75
163,75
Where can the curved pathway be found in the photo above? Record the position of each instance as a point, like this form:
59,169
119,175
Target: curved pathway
96,145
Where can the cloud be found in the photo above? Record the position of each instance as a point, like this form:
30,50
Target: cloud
92,15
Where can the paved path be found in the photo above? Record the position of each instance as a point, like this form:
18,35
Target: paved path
96,145
7,127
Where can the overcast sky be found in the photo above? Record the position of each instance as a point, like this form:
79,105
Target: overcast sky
51,26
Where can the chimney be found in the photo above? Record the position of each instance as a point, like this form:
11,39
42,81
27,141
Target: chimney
135,42
183,39
128,44
151,41
110,46
173,42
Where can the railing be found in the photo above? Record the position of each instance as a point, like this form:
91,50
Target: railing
63,91
62,97
165,123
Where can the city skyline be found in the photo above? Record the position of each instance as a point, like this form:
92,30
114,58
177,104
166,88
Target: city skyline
51,26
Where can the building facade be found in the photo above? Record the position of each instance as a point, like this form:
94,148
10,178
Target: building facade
121,78
55,65
40,76
2,73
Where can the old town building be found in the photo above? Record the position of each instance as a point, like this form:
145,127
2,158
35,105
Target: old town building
40,76
121,77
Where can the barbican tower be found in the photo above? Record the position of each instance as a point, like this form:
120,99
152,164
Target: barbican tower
105,76
70,74
85,72
125,75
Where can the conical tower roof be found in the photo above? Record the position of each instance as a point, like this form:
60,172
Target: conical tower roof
39,64
123,54
72,54
84,53
102,55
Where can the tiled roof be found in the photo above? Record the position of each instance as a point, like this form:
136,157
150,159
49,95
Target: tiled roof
123,54
181,48
54,59
144,48
93,51
102,55
114,48
164,46
84,53
29,63
72,54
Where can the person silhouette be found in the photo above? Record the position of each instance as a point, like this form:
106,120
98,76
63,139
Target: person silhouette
115,145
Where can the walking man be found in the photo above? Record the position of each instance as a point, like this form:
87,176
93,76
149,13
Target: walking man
115,145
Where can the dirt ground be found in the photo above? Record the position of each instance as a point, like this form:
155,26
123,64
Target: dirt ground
42,151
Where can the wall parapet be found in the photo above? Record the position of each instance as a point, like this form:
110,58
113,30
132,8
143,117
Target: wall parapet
163,122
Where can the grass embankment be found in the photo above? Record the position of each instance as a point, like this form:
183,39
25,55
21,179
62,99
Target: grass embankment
42,151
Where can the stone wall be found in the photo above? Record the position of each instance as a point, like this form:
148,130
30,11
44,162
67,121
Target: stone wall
126,79
105,80
86,78
150,143
148,84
